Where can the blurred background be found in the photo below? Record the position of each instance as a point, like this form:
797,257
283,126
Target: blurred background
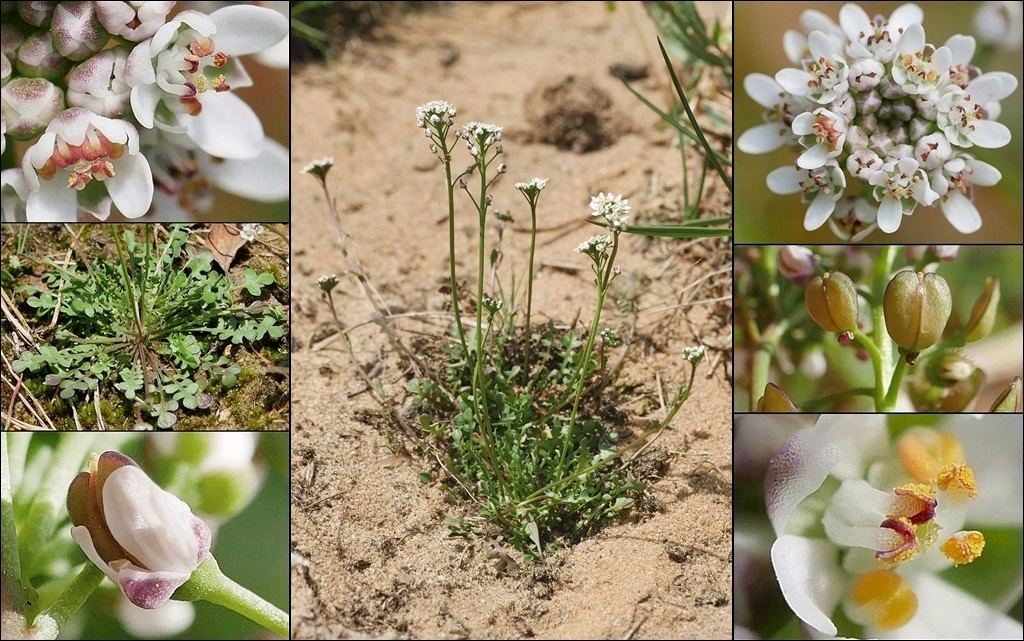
765,217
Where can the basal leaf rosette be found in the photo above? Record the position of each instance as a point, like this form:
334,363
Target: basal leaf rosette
145,539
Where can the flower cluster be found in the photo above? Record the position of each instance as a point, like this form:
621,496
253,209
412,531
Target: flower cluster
872,100
595,246
479,138
327,283
128,106
693,355
612,208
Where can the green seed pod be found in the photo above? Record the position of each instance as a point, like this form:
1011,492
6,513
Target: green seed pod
917,307
1009,399
831,301
774,400
983,316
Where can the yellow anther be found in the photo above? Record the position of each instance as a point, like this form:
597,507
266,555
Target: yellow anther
925,452
964,547
958,482
881,598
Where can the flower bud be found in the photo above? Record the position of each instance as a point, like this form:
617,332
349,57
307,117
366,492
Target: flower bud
983,316
145,539
29,104
916,306
98,84
36,13
797,263
38,59
774,400
5,68
831,301
77,33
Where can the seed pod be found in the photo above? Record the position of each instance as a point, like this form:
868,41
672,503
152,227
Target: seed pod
831,301
983,316
916,306
1009,399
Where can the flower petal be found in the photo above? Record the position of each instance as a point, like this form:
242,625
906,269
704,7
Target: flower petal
810,578
146,589
244,29
80,534
264,178
763,138
53,203
226,127
961,213
970,619
820,210
989,134
785,180
890,215
131,188
763,89
799,469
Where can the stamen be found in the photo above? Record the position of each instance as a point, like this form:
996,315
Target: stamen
958,482
964,547
925,452
914,501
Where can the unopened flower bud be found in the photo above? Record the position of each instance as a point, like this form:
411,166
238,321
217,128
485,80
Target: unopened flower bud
37,58
98,84
77,32
327,283
797,263
29,104
983,316
917,306
774,400
831,301
949,383
5,68
145,539
37,14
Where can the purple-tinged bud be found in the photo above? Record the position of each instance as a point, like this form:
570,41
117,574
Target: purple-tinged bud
77,33
98,84
146,540
38,59
865,74
29,104
917,306
5,69
797,263
11,37
983,315
135,21
36,13
831,301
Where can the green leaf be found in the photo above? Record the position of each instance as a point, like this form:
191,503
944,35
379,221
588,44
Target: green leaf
674,231
254,282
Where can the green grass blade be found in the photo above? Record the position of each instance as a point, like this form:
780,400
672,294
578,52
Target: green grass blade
674,231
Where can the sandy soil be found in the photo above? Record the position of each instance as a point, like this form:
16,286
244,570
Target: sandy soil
380,561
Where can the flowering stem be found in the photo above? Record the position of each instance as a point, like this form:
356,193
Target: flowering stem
451,244
762,359
75,595
604,279
208,583
529,284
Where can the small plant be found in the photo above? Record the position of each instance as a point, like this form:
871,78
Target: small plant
514,409
151,322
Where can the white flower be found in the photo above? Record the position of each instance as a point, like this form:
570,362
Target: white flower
250,231
693,354
954,181
822,133
961,113
879,37
594,245
780,109
181,78
894,515
170,619
797,263
480,136
319,168
434,113
899,186
853,219
612,208
920,67
86,162
145,539
824,76
533,187
821,187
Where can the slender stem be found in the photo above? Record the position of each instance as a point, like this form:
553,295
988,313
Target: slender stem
604,279
880,279
878,360
529,285
823,402
208,583
451,244
8,532
889,403
75,596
